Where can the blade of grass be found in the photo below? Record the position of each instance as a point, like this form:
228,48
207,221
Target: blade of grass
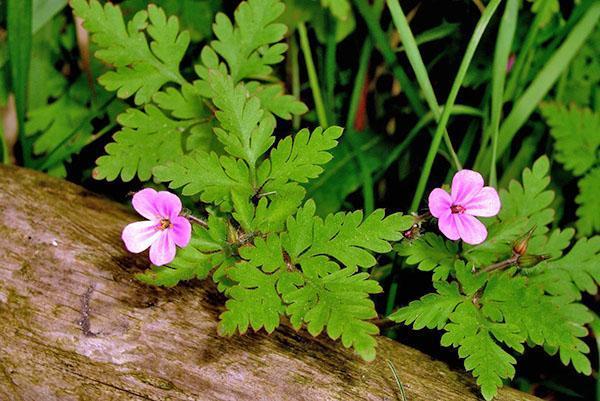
397,379
506,33
416,62
544,81
460,76
44,11
295,73
312,75
439,32
330,67
19,16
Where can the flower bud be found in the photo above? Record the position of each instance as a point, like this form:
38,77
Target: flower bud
527,261
520,246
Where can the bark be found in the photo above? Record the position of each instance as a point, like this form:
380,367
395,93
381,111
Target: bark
76,325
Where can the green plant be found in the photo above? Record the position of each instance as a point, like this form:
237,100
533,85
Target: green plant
213,139
492,299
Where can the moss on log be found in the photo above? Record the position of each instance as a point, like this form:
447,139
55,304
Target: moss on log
76,325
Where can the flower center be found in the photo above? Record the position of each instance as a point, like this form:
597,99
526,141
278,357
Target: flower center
457,209
164,224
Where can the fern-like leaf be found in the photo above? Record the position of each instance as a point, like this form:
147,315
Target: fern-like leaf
142,68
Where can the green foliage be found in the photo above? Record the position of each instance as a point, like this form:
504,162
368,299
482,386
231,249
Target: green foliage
309,273
589,202
584,74
430,253
576,132
487,313
214,140
142,66
208,251
179,120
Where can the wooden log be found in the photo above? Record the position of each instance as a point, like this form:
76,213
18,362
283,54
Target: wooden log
76,325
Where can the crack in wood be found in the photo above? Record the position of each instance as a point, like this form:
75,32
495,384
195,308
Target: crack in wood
84,321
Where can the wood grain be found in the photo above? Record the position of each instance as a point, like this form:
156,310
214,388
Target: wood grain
76,325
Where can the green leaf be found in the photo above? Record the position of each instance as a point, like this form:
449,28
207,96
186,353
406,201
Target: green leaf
56,121
432,310
196,260
184,104
430,252
250,47
575,272
530,199
255,298
584,73
478,345
196,16
346,237
588,200
141,68
245,130
577,134
19,20
300,159
338,300
148,139
553,322
211,176
254,301
274,100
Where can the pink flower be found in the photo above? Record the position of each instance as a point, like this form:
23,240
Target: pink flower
162,231
469,198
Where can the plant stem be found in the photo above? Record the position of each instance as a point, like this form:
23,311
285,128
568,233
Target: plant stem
197,220
416,61
312,75
506,33
462,70
500,265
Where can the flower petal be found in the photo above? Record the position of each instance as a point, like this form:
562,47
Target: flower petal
168,205
471,230
162,250
140,235
144,202
447,226
181,231
485,204
439,202
465,185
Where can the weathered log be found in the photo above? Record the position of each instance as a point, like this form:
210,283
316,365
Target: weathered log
76,325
